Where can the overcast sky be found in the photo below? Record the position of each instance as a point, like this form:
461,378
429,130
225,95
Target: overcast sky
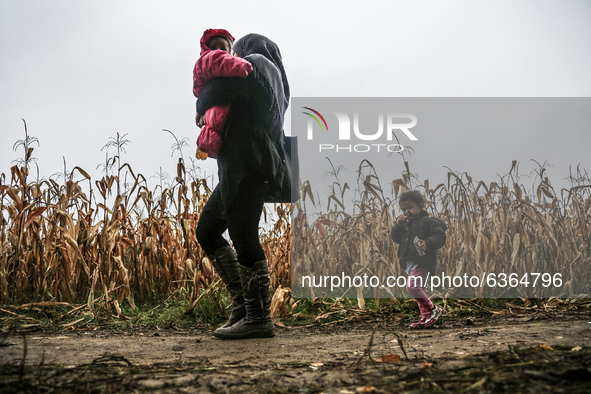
80,71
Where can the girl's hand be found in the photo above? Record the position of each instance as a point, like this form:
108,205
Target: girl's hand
401,219
422,245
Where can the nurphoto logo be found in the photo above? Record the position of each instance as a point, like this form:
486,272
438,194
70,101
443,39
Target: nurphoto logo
390,123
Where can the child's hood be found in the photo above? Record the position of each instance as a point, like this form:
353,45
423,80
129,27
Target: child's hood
209,34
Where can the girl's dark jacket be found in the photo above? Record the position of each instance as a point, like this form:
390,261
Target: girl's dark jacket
429,229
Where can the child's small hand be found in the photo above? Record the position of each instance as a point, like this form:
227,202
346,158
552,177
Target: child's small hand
422,245
402,218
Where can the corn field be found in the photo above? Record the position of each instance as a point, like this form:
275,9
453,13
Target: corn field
493,228
59,245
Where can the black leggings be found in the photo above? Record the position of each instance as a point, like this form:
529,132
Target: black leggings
241,220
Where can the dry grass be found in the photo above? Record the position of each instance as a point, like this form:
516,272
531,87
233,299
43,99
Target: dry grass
57,244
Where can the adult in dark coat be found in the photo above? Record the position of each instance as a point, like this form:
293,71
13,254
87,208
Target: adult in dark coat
250,169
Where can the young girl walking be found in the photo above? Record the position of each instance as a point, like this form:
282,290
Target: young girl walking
419,236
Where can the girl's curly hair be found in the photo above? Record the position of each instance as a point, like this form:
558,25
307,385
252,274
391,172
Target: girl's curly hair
413,196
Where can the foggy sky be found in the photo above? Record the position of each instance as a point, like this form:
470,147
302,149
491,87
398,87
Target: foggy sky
80,71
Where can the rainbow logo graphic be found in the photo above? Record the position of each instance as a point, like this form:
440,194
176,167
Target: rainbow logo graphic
315,118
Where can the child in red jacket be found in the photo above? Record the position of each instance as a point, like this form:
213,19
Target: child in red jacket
215,61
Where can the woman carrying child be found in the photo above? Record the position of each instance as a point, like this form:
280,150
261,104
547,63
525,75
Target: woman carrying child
250,169
419,236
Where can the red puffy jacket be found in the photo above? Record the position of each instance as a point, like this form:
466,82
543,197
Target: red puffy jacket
211,64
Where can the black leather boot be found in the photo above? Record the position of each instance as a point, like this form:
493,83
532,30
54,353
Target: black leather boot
225,263
257,323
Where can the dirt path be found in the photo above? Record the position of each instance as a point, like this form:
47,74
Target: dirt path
480,355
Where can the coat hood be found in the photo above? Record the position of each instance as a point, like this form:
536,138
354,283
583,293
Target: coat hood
209,34
258,44
266,60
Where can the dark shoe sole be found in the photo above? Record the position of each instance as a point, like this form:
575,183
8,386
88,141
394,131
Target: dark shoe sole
245,335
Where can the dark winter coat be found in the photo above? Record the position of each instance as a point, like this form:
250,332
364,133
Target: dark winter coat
251,140
429,229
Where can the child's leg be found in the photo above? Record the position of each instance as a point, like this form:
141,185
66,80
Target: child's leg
417,280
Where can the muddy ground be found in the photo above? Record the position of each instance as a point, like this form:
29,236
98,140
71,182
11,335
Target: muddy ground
520,354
